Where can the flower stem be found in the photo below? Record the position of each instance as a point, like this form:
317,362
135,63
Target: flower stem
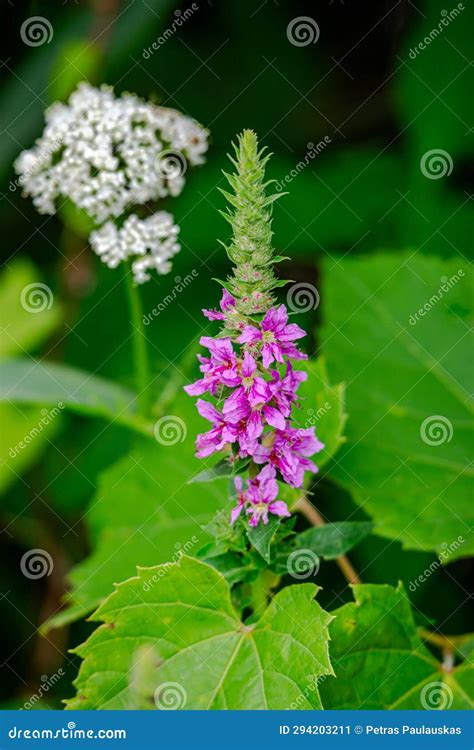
309,511
139,344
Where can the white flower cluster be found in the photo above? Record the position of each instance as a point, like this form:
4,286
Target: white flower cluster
107,154
153,239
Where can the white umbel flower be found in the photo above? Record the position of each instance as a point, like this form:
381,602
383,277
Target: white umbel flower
102,152
108,154
153,239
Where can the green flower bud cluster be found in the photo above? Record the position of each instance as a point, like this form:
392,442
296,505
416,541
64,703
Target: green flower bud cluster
250,216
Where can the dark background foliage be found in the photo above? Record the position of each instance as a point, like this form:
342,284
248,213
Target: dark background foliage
231,66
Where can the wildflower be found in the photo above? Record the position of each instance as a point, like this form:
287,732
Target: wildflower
275,337
259,497
252,416
226,302
107,155
152,240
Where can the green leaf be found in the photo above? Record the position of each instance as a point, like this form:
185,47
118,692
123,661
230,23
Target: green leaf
29,311
333,539
29,315
322,406
145,513
65,77
222,468
47,383
261,536
24,435
232,567
203,651
407,374
380,661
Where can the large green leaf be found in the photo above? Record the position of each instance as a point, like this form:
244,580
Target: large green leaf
381,663
205,656
35,382
410,426
145,512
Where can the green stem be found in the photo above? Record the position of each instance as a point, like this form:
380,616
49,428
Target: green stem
139,344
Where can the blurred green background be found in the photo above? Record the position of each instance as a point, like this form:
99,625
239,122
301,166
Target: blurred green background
231,66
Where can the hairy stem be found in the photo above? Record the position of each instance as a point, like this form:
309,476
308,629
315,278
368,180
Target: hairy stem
313,516
139,345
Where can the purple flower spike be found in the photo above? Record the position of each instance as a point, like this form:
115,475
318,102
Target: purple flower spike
275,337
254,408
